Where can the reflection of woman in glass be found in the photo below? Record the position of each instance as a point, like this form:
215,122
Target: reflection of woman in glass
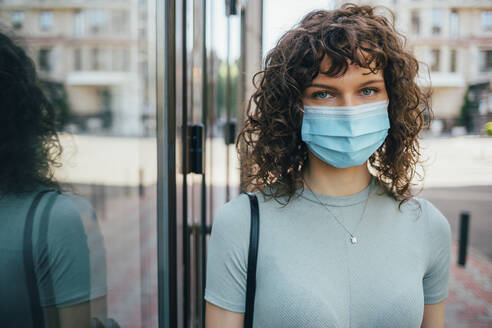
51,251
341,245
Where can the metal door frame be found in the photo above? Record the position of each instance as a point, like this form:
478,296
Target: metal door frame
171,38
166,159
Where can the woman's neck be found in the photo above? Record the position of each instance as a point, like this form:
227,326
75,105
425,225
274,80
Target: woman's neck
328,180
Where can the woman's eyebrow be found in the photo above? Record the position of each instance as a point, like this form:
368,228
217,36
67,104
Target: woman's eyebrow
326,86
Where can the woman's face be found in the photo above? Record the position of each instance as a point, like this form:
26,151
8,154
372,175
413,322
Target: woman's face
351,89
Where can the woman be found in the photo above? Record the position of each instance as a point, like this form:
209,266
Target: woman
51,249
344,244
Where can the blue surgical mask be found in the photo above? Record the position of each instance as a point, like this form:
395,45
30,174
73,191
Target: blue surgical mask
345,136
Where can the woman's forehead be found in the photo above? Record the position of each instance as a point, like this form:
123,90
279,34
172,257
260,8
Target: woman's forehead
354,71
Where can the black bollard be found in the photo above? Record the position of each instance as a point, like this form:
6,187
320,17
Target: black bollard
463,242
141,190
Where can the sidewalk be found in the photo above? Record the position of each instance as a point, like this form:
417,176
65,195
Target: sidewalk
469,303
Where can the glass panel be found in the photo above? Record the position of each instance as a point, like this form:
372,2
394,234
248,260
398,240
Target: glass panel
487,20
17,19
415,22
93,246
46,20
224,37
437,18
453,60
193,107
223,105
435,60
485,61
454,24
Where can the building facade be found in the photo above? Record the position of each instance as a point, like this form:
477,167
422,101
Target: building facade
94,50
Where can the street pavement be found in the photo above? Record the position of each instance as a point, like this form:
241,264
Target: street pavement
469,303
458,178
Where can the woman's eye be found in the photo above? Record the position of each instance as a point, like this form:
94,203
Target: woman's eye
370,90
321,95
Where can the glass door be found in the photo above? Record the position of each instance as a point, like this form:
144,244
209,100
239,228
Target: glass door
96,62
208,58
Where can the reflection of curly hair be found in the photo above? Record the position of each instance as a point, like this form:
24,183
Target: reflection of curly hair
272,152
29,145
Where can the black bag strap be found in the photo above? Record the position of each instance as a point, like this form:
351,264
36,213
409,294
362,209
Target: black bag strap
31,282
252,259
32,288
37,316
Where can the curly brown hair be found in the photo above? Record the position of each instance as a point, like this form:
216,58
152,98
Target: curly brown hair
29,145
269,145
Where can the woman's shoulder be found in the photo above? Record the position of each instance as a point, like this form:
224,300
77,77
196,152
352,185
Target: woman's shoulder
234,212
74,204
238,208
231,227
69,213
428,208
418,208
436,222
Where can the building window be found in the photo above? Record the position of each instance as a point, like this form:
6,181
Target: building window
437,16
77,59
98,20
120,22
116,60
17,19
487,20
486,60
452,61
79,24
95,65
415,22
46,20
435,60
44,60
453,24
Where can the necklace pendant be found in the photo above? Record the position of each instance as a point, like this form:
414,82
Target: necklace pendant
353,240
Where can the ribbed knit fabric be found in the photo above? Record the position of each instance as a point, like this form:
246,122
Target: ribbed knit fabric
309,274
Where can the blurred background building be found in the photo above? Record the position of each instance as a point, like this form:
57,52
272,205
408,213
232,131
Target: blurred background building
90,52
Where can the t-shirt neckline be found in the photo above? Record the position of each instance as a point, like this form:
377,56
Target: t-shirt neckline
338,200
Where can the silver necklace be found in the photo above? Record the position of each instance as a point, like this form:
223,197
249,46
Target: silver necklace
353,239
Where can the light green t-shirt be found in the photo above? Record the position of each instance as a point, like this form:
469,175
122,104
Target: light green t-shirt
309,274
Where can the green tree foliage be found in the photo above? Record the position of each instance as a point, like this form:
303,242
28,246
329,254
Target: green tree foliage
223,90
465,118
488,128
